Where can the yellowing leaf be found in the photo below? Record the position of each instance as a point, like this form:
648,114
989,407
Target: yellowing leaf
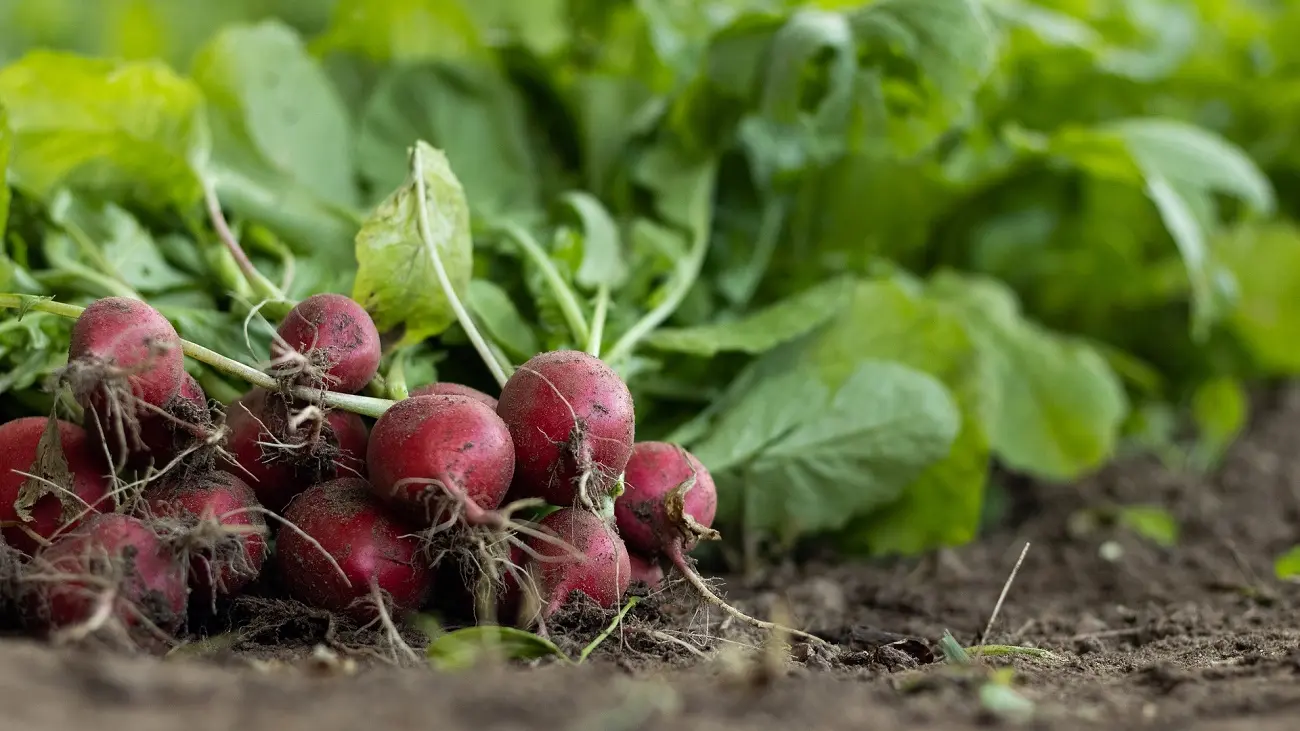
396,280
133,130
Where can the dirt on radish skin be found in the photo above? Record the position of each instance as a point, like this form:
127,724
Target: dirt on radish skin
337,338
73,480
370,547
187,419
111,579
278,460
655,471
446,388
600,569
570,416
213,517
452,439
123,358
645,570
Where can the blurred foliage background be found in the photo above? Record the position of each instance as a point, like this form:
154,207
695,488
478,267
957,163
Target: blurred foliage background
1037,233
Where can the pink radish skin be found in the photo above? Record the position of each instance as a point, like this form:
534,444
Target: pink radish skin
275,474
570,415
445,388
202,505
145,581
603,573
336,334
343,516
119,348
655,470
645,570
88,492
454,439
164,438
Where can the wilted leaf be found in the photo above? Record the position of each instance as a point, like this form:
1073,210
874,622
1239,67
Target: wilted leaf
131,130
396,279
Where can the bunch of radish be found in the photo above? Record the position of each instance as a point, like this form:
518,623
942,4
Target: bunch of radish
162,500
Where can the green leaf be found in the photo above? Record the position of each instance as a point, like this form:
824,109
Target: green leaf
496,312
1219,407
944,504
1287,566
6,142
130,130
802,457
128,250
1054,406
1265,261
1152,523
262,84
396,280
762,329
472,113
602,249
463,648
403,31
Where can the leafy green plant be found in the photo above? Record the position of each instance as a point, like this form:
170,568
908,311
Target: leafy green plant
850,253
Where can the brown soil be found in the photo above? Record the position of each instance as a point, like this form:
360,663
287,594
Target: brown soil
1199,636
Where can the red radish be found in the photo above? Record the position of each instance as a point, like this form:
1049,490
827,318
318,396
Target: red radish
572,421
279,458
372,549
645,570
336,338
657,474
454,440
187,417
125,366
111,578
216,520
446,388
601,570
73,479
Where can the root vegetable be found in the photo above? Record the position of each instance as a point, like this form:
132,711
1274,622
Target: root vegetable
645,570
441,458
281,448
572,421
601,568
111,579
69,478
657,474
333,342
215,520
372,550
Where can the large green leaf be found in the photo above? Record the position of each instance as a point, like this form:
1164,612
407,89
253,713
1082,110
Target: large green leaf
944,504
471,112
129,130
261,83
396,279
762,329
404,30
1265,261
1054,406
795,456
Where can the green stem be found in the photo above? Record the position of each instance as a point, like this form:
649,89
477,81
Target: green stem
564,294
363,405
431,247
262,286
598,321
687,274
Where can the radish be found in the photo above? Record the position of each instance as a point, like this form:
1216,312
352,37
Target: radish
572,421
438,459
215,519
328,340
445,388
592,560
66,477
667,507
113,579
186,422
282,448
349,550
645,570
